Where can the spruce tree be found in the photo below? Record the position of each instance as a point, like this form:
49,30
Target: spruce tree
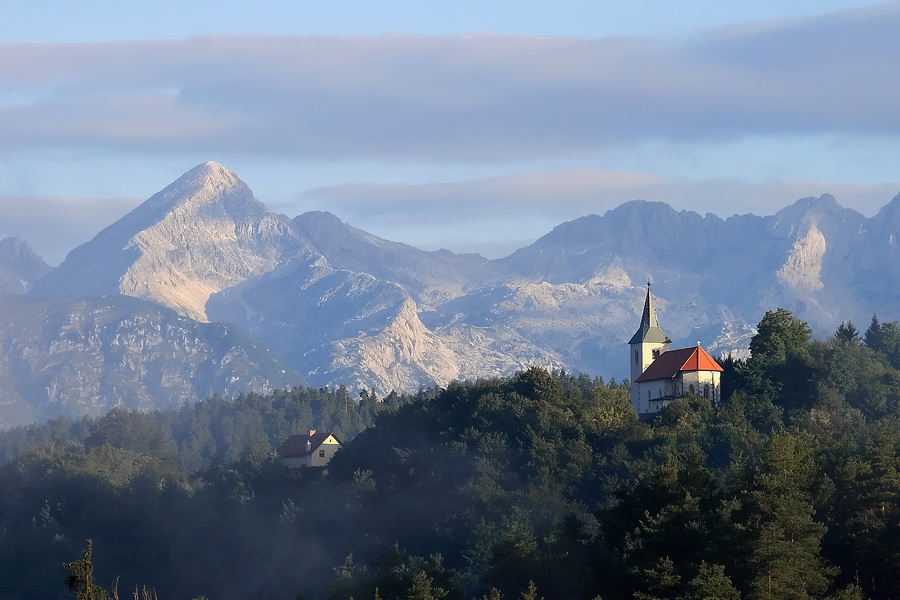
786,556
81,580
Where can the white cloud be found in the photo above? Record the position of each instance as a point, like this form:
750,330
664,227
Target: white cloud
467,98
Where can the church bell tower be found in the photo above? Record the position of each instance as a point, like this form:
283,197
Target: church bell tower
648,342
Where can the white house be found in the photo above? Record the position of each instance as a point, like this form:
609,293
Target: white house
313,450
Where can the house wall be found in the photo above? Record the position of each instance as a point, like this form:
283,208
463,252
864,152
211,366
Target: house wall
322,455
647,396
705,383
317,457
642,355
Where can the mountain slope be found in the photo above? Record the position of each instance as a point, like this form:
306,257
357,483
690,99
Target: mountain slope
431,277
343,306
20,267
85,356
203,233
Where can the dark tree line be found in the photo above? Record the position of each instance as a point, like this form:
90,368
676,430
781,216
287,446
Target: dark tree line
539,485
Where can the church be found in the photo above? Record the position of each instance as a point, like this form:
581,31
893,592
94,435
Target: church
659,375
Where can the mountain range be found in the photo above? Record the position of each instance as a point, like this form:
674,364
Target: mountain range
202,278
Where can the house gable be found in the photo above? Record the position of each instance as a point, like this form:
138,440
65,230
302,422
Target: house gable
314,449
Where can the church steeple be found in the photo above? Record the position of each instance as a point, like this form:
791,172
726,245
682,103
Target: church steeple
646,345
649,332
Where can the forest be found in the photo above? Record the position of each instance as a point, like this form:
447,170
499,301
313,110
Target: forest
538,485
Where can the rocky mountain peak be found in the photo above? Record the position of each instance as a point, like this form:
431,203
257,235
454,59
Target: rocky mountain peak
797,218
202,233
206,185
890,213
20,266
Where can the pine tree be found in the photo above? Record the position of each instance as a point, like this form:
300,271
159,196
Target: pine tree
872,337
711,583
422,589
786,552
81,580
847,333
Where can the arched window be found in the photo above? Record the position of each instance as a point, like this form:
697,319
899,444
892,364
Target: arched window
691,388
706,391
635,356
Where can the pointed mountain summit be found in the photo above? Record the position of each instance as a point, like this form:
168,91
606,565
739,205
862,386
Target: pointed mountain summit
201,234
20,266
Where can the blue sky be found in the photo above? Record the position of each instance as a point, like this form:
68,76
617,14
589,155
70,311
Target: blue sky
476,126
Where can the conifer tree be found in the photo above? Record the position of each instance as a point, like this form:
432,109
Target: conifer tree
872,337
81,580
711,583
847,333
786,552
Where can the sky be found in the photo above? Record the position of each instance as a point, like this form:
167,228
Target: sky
472,126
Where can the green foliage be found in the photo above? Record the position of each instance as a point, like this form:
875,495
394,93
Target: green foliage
81,578
779,336
787,539
493,489
711,583
847,333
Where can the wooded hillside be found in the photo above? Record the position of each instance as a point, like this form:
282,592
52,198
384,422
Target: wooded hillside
537,485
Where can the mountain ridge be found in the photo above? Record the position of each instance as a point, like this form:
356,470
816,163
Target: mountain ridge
343,306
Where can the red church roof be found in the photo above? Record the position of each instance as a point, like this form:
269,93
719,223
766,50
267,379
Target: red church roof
671,363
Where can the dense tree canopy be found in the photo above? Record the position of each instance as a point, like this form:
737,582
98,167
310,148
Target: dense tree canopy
539,485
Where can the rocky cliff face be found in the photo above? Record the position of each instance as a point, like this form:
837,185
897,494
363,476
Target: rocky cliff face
87,355
341,306
20,267
202,234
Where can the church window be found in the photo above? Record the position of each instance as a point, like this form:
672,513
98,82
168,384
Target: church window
706,391
636,356
656,354
691,388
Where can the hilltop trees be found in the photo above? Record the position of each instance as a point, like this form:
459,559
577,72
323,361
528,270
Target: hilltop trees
539,485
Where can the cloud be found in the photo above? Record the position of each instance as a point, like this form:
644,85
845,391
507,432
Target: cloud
466,98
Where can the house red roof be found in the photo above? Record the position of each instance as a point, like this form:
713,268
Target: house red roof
296,444
671,363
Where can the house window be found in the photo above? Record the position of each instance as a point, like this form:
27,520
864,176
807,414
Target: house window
321,454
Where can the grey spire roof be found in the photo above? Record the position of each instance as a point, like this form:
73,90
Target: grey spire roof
649,331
